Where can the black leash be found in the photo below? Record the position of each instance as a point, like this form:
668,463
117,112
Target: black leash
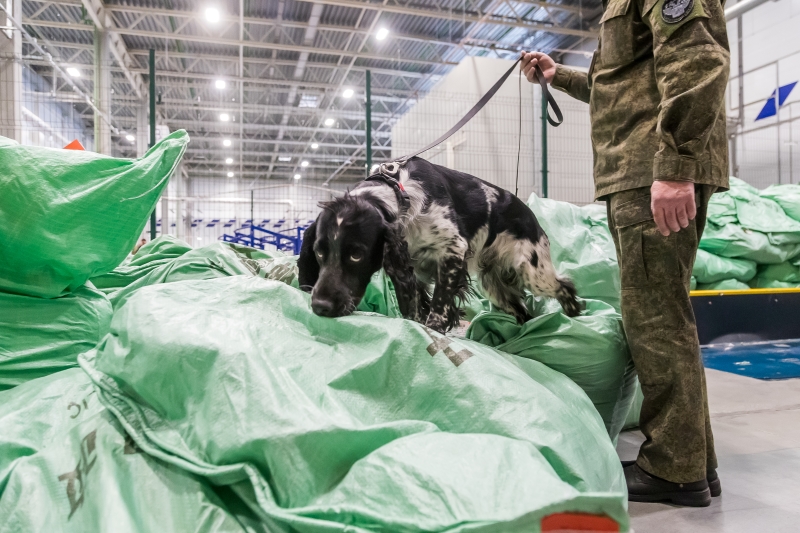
388,173
485,100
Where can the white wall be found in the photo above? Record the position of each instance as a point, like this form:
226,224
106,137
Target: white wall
487,146
768,152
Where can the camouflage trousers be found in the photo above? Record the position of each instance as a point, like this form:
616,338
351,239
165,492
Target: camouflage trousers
659,323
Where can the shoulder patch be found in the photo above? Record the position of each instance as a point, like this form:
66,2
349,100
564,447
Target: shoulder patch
674,11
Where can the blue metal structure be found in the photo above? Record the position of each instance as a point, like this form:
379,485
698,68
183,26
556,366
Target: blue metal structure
288,240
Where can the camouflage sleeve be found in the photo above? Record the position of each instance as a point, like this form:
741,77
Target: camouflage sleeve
692,63
572,82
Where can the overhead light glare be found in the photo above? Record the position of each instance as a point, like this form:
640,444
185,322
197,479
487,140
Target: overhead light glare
382,34
284,158
72,71
304,164
297,176
130,137
219,84
230,174
212,15
226,142
314,146
224,117
229,161
348,93
329,122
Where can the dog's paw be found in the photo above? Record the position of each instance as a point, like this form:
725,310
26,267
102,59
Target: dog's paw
437,323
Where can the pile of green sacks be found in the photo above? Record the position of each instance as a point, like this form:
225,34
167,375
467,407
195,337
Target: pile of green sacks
66,216
752,239
215,400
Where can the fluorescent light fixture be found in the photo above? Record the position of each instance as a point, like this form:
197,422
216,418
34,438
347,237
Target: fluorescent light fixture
314,146
224,117
308,100
229,161
226,142
284,158
304,164
329,122
230,174
297,176
72,71
212,14
130,137
219,84
382,34
348,93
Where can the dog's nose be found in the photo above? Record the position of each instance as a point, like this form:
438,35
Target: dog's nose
322,307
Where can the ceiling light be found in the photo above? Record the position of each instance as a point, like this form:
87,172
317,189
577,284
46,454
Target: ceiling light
72,71
224,117
212,14
284,158
219,84
297,176
226,142
329,121
348,93
382,34
304,164
229,161
314,146
130,137
230,174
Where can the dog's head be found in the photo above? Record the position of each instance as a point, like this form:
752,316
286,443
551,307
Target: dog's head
350,241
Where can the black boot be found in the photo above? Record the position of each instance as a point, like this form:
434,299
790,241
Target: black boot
643,487
714,484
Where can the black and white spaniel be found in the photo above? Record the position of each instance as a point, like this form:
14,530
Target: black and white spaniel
428,225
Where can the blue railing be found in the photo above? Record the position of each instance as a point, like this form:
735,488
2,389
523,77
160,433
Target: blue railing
289,240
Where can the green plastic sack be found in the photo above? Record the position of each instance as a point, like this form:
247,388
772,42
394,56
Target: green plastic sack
632,421
693,283
735,241
223,259
68,215
760,213
722,209
723,285
581,246
709,268
155,253
590,349
67,465
40,336
783,275
361,423
787,196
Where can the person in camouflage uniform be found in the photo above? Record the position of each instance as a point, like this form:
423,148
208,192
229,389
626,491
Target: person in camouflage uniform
656,90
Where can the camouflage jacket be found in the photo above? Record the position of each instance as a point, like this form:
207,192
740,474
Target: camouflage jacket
656,90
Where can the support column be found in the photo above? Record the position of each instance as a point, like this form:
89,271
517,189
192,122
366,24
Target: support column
102,91
11,75
142,129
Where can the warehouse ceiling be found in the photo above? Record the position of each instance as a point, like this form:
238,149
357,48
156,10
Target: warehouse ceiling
293,71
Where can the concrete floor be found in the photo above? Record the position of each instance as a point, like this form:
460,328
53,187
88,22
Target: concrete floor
756,428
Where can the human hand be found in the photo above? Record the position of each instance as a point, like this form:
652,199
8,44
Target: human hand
672,203
545,62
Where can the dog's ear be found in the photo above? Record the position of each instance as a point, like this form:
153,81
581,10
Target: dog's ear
397,264
307,265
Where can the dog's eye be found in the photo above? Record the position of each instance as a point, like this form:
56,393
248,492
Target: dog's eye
319,254
355,258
